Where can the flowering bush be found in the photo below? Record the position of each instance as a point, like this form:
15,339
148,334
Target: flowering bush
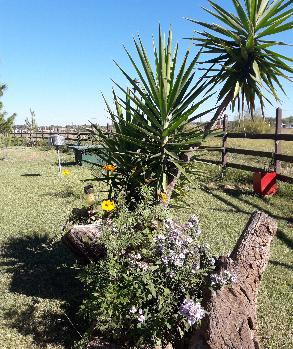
148,288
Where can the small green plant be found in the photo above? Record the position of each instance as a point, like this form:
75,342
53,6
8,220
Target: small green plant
148,288
31,123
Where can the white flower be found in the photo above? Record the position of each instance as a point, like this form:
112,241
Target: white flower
141,318
178,262
225,278
133,310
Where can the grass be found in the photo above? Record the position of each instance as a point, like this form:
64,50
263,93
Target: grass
39,293
251,144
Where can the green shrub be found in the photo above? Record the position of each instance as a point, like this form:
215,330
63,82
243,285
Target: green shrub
252,125
148,288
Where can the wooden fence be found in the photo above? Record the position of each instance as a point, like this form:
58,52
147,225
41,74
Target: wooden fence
276,156
69,136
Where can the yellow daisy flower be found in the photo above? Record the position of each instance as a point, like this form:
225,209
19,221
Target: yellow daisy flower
111,168
107,205
162,196
65,172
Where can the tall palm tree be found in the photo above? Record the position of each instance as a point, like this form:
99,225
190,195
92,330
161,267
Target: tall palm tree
244,62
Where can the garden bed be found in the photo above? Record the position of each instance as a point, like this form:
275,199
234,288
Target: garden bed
36,286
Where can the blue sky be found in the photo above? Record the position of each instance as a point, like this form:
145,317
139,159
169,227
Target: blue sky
56,55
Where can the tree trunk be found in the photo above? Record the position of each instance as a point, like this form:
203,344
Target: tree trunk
222,107
231,319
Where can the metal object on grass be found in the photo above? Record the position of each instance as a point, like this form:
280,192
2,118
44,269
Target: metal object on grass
57,141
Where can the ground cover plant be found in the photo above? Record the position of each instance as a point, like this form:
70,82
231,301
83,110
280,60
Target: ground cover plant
38,292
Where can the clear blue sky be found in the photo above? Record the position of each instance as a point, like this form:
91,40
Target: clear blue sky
56,55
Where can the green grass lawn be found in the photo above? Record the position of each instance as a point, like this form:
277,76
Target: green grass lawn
251,144
39,293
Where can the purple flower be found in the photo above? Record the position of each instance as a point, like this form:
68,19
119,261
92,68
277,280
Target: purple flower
225,278
192,311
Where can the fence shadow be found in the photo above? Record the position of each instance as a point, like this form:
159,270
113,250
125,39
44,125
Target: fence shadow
40,270
281,264
238,194
285,239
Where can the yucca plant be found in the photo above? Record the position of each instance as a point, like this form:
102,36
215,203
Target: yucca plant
244,61
150,137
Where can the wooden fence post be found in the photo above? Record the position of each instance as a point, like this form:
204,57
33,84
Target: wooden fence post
278,130
224,141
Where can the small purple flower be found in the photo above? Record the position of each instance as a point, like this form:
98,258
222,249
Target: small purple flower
192,311
141,318
225,278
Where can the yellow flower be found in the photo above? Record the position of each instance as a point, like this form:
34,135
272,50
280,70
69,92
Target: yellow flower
65,172
107,205
109,168
162,196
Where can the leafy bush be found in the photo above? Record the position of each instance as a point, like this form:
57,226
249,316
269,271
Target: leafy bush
148,288
150,137
252,125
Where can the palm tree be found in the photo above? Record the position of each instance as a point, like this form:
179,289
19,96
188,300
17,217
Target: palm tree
244,62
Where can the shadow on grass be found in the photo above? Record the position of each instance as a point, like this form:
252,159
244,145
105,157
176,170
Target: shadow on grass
69,164
38,270
281,264
284,238
238,205
63,194
30,175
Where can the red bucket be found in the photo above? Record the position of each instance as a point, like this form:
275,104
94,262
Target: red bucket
264,183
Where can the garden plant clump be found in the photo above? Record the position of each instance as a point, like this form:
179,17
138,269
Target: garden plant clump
147,291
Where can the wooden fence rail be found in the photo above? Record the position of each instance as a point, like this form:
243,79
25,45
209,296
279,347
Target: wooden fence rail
69,136
276,155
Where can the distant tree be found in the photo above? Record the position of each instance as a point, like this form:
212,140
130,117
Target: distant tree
6,122
288,120
31,123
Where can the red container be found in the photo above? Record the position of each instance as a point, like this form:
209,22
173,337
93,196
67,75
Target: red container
264,183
